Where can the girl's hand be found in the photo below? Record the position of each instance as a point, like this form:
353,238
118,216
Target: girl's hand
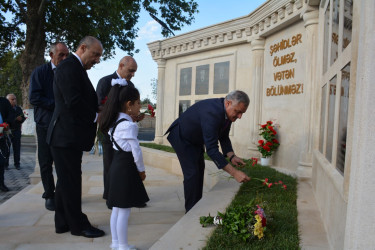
142,175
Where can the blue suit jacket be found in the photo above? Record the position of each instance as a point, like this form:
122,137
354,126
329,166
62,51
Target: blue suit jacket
41,94
204,123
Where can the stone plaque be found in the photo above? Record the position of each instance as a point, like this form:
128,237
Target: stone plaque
185,81
201,79
183,106
221,78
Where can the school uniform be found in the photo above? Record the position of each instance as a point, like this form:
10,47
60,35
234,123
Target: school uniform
126,187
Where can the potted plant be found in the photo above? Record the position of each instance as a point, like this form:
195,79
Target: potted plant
269,144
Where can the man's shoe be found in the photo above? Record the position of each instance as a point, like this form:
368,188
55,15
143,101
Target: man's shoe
62,230
18,167
50,204
91,232
4,188
6,167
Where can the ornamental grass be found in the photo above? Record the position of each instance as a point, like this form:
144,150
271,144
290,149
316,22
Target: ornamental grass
280,207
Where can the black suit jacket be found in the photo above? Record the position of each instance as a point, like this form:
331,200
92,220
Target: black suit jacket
6,110
204,123
104,86
15,124
76,104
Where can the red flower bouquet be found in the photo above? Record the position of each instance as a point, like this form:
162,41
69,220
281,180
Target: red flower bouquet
267,146
3,128
150,110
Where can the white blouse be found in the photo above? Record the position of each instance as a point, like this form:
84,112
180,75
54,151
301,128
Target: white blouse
126,137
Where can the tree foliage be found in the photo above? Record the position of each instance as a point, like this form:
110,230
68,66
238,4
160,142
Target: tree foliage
10,76
113,22
36,23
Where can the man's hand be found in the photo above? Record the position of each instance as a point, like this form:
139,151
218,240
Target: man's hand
238,162
237,174
142,175
19,118
241,176
138,118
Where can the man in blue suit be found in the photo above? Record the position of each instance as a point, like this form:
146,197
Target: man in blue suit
203,125
41,97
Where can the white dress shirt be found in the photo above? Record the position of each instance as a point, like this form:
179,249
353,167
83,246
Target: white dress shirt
125,136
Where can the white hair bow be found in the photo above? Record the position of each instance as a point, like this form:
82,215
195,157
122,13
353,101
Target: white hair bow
121,82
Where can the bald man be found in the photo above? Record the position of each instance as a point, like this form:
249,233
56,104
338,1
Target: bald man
126,70
71,131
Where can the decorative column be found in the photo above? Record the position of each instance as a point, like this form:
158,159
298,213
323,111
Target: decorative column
160,101
311,19
256,100
359,230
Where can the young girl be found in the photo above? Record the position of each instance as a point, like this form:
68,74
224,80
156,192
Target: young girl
127,171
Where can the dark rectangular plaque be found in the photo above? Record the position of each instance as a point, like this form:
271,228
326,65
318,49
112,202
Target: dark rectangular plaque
183,106
185,81
221,78
201,79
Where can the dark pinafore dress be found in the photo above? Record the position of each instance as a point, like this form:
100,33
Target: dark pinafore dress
126,188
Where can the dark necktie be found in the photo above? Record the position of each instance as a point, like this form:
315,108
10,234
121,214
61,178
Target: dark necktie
225,126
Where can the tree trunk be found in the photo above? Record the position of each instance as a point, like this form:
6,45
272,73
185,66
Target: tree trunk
35,45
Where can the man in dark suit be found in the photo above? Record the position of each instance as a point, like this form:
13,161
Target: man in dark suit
15,135
71,131
41,97
126,70
203,125
6,116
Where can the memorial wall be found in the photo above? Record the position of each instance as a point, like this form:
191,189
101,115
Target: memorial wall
283,92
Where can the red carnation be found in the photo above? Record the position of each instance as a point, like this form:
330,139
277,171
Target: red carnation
275,141
261,142
269,122
266,148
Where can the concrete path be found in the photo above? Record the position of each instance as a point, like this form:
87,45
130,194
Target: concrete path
26,224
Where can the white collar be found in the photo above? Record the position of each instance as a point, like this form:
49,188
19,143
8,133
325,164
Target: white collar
78,58
124,115
53,65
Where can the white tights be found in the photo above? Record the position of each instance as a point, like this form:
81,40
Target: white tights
119,227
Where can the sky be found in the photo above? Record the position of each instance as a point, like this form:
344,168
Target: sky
210,12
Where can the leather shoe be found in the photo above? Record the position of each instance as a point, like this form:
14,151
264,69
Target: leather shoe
50,204
18,167
91,232
6,167
62,230
4,188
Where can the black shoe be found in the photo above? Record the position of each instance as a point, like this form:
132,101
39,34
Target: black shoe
4,188
6,167
18,167
142,206
91,232
50,204
62,230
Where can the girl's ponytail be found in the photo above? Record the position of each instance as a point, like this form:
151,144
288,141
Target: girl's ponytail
110,111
